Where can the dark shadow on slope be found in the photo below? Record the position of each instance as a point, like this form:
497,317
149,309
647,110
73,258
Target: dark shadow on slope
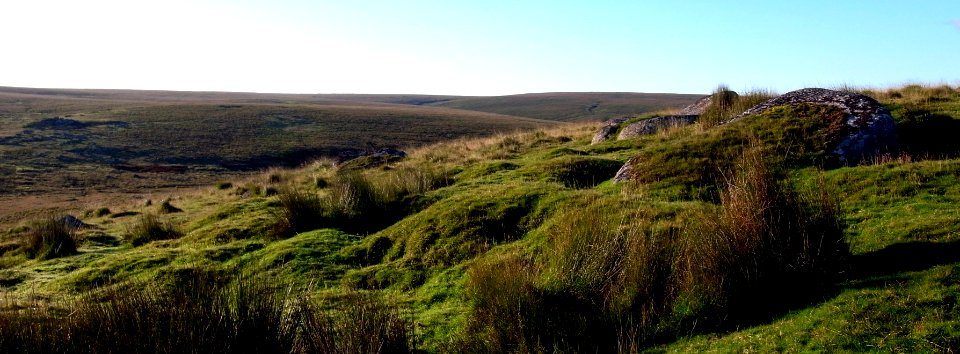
874,268
924,134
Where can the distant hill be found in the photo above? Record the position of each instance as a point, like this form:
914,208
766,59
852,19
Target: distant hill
110,138
572,106
557,106
105,139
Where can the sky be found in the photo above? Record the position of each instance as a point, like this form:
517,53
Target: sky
486,47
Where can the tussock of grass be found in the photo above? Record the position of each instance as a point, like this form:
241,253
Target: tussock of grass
726,104
355,201
607,283
49,237
207,315
363,325
300,210
765,242
150,228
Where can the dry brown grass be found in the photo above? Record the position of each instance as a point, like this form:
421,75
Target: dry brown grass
471,150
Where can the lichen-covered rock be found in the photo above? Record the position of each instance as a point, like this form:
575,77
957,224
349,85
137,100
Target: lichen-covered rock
870,129
607,131
653,125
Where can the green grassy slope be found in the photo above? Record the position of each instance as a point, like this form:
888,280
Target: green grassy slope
520,224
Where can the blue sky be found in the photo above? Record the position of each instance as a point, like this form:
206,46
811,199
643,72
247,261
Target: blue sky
477,47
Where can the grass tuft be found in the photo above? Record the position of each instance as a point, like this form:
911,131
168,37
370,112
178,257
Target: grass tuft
767,247
207,315
726,104
49,237
299,211
614,281
149,228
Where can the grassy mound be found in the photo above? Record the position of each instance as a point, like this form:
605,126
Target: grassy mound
693,166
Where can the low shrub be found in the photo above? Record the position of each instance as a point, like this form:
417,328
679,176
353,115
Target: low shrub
49,237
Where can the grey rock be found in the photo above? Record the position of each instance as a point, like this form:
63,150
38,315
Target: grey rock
607,131
871,129
350,154
390,152
653,125
71,221
623,174
696,108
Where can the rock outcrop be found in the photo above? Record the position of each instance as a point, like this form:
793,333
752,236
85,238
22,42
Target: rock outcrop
623,174
860,127
697,108
72,222
607,131
688,115
653,125
360,159
870,129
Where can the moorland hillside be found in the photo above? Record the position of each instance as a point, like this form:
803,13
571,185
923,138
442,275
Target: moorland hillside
732,233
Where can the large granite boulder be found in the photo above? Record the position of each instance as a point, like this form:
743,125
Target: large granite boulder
653,125
870,130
